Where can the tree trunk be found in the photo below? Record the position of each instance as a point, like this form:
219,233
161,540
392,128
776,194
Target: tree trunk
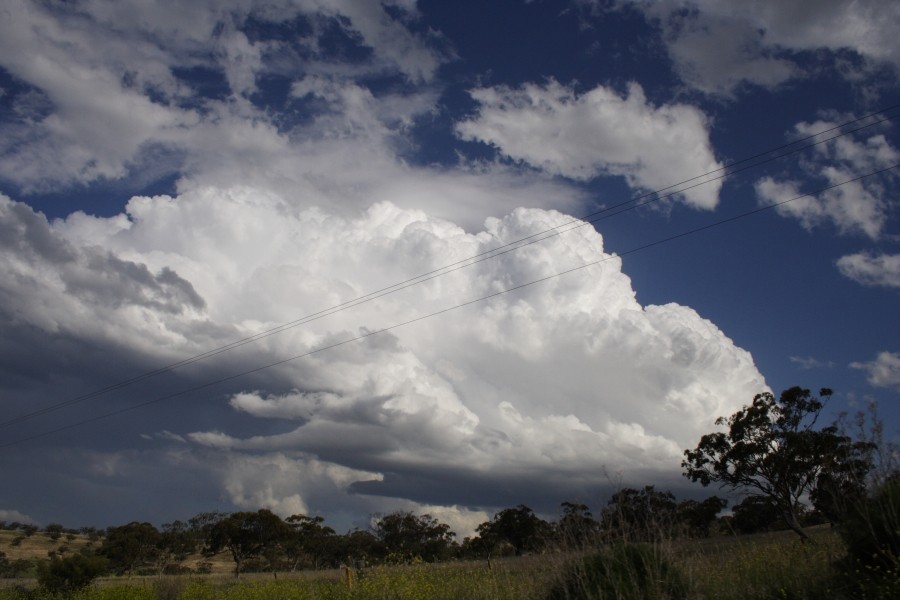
792,522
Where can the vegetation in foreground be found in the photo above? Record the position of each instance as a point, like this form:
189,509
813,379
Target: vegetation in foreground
759,566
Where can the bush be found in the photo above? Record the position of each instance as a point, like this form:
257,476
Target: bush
621,572
71,573
871,533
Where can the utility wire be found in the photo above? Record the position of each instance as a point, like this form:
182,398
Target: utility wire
439,312
575,223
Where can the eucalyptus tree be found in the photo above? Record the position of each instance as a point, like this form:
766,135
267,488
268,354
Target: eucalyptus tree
774,449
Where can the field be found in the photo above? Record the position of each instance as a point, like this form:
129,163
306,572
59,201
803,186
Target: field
754,567
38,544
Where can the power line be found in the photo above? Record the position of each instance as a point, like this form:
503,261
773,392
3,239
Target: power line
575,223
440,312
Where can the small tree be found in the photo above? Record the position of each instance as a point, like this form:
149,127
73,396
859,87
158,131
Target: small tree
310,540
640,515
697,517
576,527
755,514
130,546
247,535
518,526
175,543
358,546
66,575
414,536
772,449
54,531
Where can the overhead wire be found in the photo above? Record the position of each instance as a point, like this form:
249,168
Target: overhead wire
575,223
371,333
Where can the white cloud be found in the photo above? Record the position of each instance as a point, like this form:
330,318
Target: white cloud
555,382
850,207
717,54
717,46
884,371
461,520
14,516
109,104
809,362
285,485
868,269
597,133
114,109
857,207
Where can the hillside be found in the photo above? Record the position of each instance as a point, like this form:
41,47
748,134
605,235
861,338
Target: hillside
40,545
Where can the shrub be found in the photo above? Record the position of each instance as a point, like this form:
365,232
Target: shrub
621,572
71,573
871,532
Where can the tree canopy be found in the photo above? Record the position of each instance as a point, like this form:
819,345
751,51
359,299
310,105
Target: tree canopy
773,449
519,527
408,535
247,535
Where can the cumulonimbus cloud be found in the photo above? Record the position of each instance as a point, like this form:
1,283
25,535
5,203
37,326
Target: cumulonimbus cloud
564,381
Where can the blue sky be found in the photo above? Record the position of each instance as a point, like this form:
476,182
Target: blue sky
174,178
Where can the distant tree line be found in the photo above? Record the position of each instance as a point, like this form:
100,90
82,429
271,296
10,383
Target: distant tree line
262,541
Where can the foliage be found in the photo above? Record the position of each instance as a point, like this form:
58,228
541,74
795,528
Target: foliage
93,534
640,515
310,543
755,514
518,526
871,532
622,572
414,536
772,449
130,546
359,546
14,568
200,525
54,531
758,567
174,544
247,535
70,573
576,527
695,518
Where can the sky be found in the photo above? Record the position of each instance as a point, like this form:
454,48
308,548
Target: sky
347,257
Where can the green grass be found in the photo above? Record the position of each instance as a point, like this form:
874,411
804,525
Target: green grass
774,565
767,566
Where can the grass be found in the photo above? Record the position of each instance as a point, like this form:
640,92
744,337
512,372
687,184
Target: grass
755,567
16,545
511,579
772,565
